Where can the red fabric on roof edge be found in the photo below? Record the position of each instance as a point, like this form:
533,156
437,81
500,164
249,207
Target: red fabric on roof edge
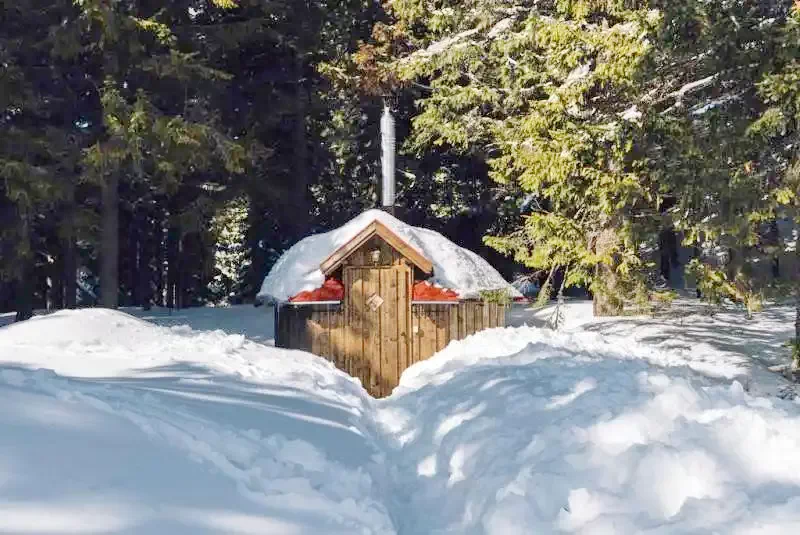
425,291
332,290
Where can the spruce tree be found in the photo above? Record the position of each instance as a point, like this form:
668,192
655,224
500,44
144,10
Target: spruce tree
547,93
778,131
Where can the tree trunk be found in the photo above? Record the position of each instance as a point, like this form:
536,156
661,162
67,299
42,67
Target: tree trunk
300,171
173,269
24,296
606,294
69,266
109,244
70,269
160,231
56,284
796,352
144,273
797,317
255,271
23,289
183,273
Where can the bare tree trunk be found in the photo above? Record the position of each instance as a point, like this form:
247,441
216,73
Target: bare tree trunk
55,298
797,317
172,268
796,355
300,173
161,244
183,275
109,244
144,273
606,295
70,265
24,296
23,289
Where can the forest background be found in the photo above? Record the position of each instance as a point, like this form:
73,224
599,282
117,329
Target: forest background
167,153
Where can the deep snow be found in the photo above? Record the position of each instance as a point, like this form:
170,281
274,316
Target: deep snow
454,267
111,424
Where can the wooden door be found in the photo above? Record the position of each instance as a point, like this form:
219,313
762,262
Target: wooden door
378,324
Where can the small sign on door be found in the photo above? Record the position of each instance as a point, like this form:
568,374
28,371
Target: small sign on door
374,302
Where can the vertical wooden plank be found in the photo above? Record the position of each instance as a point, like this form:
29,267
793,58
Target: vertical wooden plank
428,331
417,333
441,323
292,320
469,323
314,329
372,336
285,322
298,328
485,308
389,329
307,332
280,330
325,343
344,354
452,319
363,360
336,333
403,320
355,302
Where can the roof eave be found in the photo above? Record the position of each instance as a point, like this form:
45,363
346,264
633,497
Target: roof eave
332,263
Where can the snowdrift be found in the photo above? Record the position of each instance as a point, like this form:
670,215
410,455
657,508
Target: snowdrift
520,431
454,267
147,429
154,430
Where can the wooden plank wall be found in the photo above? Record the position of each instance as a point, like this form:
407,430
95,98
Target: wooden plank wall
436,325
323,330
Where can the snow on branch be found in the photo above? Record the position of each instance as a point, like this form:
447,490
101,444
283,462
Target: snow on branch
443,45
703,107
691,87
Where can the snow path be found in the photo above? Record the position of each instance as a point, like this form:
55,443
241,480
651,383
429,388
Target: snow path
148,429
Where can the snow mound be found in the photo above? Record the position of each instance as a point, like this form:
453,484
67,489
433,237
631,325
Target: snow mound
89,327
518,431
454,267
158,430
171,430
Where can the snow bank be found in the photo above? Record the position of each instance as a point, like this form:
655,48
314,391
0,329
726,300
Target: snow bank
724,344
150,429
518,431
454,267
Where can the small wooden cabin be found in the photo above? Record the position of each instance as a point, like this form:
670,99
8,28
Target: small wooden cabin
376,312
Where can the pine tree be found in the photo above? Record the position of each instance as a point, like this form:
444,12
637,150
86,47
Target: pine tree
231,260
547,95
157,127
709,60
778,130
40,143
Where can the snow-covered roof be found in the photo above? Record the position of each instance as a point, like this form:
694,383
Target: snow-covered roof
454,267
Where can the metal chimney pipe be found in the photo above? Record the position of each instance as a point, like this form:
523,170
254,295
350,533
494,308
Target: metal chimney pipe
387,158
